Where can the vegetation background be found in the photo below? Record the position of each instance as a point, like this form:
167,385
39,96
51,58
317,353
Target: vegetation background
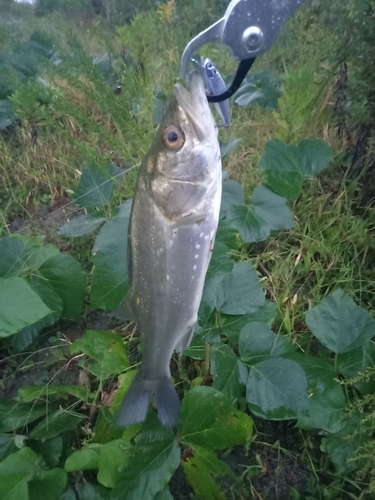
83,85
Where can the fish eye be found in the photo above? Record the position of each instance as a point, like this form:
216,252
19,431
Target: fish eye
173,138
209,65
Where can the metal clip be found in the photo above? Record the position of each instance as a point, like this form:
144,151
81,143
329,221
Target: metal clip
249,28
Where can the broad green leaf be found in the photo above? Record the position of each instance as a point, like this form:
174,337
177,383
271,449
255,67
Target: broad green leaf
12,251
85,459
105,426
88,491
36,256
114,457
208,419
95,187
55,423
230,375
125,381
82,225
220,262
228,147
277,389
340,324
163,495
15,473
151,464
38,391
68,279
201,466
106,348
358,360
351,363
7,445
314,156
281,166
232,195
14,415
48,485
342,446
327,401
25,337
228,236
239,292
109,282
232,325
266,212
49,449
258,342
20,306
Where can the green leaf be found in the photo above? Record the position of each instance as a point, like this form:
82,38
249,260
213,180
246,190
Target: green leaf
151,464
201,466
342,446
37,255
208,419
49,485
232,196
82,225
106,348
14,415
230,375
85,459
25,337
20,306
7,445
163,495
109,283
327,401
105,426
277,389
351,363
89,491
314,156
38,391
55,423
266,212
49,449
15,473
258,342
281,166
67,278
232,325
340,324
228,236
227,148
12,251
95,187
239,292
114,457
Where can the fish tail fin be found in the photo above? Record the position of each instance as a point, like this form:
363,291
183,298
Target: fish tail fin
135,405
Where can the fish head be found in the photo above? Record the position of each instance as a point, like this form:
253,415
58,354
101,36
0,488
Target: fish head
186,146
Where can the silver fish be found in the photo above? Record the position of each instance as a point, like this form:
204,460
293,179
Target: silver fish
172,229
216,85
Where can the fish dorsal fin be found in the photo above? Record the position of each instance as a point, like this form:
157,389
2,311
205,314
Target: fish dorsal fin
124,311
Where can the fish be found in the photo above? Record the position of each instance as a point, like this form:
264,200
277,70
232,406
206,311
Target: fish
172,228
216,86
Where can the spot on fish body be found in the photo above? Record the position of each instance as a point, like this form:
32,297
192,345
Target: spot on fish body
196,256
194,267
197,247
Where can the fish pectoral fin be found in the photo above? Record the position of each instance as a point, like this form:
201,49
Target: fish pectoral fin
184,342
188,220
124,311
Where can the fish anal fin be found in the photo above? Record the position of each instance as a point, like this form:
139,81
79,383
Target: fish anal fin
124,311
184,342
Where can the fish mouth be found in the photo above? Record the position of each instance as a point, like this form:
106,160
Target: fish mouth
195,105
